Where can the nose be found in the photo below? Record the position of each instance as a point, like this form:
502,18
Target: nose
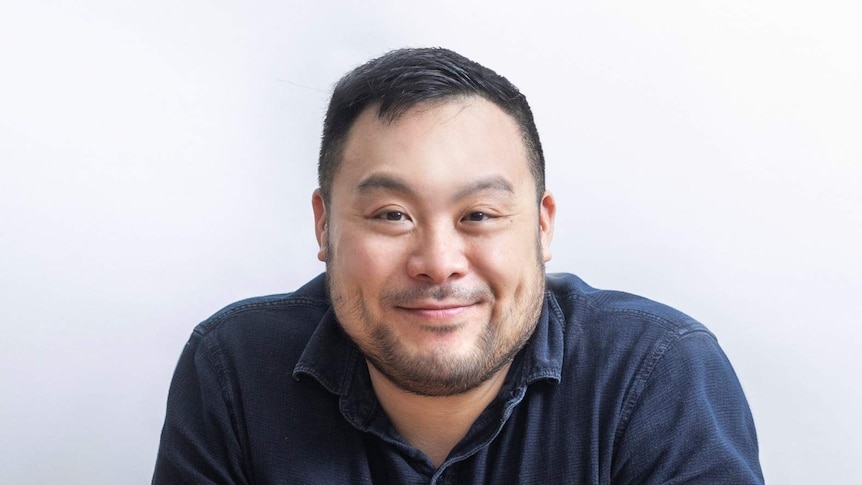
438,255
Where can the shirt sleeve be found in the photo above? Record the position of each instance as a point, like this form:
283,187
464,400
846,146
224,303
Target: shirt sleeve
689,422
199,442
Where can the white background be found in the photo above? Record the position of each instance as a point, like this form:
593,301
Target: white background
157,160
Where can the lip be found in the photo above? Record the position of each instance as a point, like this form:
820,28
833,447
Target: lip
438,310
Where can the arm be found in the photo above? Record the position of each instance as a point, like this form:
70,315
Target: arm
199,442
689,421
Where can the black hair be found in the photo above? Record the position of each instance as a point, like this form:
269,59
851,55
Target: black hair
404,78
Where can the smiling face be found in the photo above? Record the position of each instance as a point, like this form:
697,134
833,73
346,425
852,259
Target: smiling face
435,244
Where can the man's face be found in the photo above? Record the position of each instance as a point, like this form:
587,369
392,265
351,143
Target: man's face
435,244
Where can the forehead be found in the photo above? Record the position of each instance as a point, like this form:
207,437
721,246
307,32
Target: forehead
435,144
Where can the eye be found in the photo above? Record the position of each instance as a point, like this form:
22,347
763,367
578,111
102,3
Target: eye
476,216
391,214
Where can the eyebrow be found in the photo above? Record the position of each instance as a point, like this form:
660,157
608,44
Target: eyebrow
378,182
489,184
386,182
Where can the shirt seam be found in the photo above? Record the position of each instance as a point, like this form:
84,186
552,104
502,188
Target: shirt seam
678,327
213,355
214,322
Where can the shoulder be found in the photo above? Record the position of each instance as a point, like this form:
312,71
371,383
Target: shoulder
275,323
659,380
288,308
614,340
589,310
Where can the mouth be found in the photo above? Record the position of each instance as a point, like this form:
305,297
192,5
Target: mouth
440,311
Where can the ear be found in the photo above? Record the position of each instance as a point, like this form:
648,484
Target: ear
547,212
320,223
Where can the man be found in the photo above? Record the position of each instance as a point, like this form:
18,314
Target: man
435,349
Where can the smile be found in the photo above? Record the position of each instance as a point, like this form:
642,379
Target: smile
438,310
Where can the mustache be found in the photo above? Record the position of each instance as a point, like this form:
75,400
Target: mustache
401,297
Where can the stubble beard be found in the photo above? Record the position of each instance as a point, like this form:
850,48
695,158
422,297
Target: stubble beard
440,374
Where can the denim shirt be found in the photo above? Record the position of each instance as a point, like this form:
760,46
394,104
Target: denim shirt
610,389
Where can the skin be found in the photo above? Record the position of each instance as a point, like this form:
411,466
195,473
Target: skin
435,248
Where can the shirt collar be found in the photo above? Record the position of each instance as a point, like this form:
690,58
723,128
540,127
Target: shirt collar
543,354
330,357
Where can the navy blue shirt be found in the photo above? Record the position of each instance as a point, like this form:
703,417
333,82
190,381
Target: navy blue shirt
611,389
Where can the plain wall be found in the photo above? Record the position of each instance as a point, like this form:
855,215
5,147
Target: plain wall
157,160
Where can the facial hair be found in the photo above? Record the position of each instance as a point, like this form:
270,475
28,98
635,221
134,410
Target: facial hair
441,374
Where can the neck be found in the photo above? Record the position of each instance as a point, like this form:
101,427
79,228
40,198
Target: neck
434,424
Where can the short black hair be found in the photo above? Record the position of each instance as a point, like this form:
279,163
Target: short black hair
404,78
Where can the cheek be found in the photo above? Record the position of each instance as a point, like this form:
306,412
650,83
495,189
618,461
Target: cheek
506,263
366,258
